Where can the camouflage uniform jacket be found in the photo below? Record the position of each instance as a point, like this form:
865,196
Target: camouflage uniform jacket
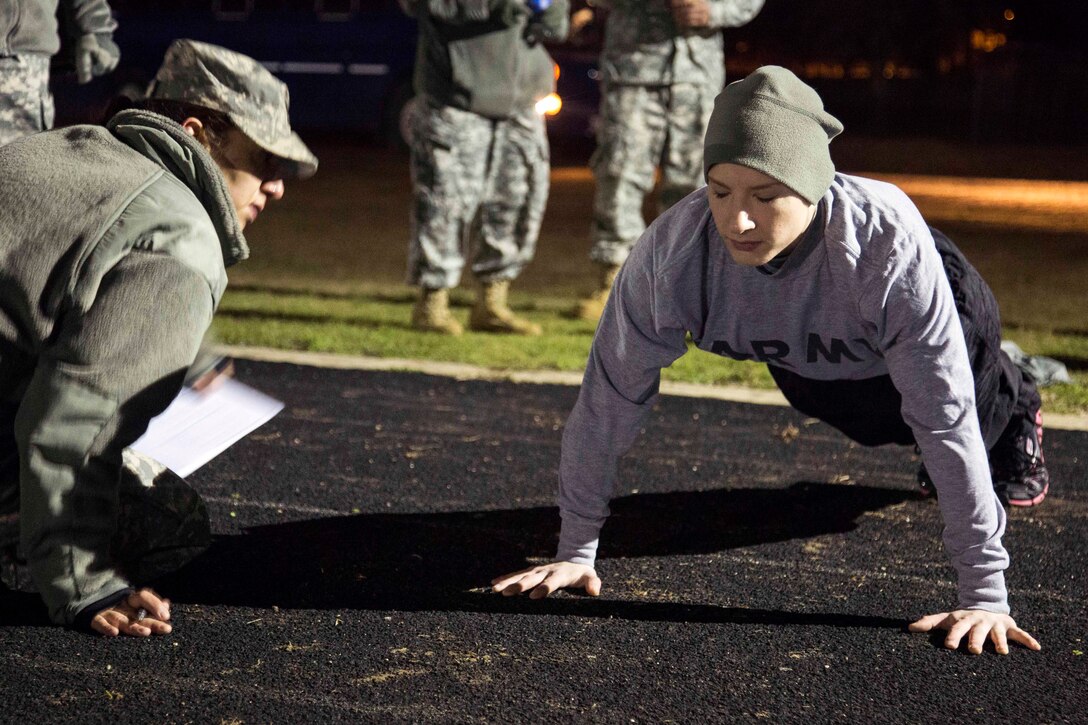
30,26
73,204
643,46
477,55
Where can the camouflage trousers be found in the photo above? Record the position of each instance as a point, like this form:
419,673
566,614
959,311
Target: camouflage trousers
162,523
26,105
644,128
480,186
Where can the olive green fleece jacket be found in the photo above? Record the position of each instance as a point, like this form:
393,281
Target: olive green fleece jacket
113,248
482,56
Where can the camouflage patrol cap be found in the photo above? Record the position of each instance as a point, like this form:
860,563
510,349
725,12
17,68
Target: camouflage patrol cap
255,100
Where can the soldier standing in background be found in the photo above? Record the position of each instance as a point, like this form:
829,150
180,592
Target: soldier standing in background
661,67
28,40
479,148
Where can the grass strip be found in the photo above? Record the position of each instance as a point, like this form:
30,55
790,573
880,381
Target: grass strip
376,324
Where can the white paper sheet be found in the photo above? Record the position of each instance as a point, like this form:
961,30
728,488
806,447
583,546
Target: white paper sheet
197,427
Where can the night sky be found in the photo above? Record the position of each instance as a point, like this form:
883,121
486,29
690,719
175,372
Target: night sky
911,29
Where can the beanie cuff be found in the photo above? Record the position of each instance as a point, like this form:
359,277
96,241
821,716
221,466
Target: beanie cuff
772,122
810,185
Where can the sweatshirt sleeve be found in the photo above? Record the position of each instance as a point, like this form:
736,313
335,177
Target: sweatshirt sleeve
922,341
636,337
733,13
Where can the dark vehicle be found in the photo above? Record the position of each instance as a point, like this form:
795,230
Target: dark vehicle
578,89
348,63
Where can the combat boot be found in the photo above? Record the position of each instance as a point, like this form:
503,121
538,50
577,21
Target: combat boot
591,308
492,314
162,523
432,313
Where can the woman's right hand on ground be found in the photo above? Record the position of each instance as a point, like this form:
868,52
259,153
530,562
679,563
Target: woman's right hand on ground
140,614
540,581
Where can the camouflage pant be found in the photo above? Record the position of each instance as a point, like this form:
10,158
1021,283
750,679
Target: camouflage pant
642,128
479,188
26,105
162,523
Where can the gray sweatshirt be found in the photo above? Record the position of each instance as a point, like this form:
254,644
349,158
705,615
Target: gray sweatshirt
864,294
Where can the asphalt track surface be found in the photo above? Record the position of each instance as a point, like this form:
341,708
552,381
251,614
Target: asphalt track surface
757,567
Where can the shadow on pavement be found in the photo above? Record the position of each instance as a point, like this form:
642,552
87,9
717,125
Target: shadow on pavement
445,561
433,560
583,606
19,609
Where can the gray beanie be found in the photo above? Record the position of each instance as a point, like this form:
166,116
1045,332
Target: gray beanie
773,122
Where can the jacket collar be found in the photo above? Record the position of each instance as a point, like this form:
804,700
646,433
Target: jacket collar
166,143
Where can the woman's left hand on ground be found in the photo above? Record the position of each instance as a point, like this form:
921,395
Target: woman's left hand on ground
978,625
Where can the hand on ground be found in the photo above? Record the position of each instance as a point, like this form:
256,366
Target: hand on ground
977,625
540,581
125,616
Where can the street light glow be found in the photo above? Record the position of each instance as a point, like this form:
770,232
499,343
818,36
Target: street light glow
987,40
549,105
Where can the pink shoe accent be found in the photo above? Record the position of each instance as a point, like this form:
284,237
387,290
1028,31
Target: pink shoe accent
1033,502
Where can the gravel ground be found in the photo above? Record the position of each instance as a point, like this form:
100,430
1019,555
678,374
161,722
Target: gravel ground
757,567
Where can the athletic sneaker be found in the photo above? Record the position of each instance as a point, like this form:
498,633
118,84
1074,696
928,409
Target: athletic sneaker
1017,465
1020,475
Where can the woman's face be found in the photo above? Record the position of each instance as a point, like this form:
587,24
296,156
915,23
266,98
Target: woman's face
757,217
249,170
